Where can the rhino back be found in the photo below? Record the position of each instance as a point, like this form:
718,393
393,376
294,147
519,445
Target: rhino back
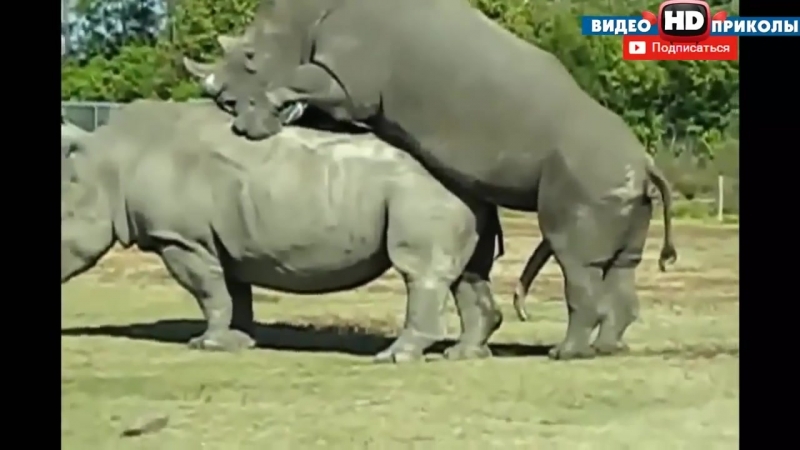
312,192
474,102
311,217
304,211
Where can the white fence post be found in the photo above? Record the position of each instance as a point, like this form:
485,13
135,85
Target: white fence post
720,197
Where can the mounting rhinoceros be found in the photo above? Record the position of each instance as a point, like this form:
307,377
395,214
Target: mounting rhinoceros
307,212
542,253
486,113
626,305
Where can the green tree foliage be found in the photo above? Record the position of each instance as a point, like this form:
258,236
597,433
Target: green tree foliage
145,67
663,101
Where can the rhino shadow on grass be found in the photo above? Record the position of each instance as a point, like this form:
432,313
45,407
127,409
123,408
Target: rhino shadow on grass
352,339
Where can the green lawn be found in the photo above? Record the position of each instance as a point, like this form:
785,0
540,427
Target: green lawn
311,383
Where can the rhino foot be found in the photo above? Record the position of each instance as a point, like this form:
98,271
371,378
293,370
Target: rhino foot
397,357
465,351
566,351
610,348
408,347
224,341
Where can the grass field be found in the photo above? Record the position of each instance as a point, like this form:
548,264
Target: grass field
311,384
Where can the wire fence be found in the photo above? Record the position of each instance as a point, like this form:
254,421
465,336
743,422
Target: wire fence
91,115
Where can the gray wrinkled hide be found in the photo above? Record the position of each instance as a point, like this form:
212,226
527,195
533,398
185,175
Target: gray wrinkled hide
488,114
306,212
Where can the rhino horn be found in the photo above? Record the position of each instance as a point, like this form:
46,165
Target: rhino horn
199,70
228,42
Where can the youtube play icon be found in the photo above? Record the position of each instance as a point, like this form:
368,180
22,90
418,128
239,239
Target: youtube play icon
637,48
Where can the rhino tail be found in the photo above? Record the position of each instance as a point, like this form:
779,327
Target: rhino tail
668,253
532,268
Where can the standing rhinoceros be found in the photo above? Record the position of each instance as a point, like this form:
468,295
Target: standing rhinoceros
70,132
484,111
307,212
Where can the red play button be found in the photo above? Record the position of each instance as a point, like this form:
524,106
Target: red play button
637,48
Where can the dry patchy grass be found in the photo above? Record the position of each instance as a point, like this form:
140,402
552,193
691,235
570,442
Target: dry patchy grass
310,384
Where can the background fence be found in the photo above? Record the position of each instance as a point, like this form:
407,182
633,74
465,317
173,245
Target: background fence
88,115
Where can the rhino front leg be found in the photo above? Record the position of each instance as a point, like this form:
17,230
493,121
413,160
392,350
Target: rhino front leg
261,116
226,304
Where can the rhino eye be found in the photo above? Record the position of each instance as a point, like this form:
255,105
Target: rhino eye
226,102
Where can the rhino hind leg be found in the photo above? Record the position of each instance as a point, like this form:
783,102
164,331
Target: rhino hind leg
226,305
621,302
423,326
430,250
480,317
588,221
621,311
582,246
580,287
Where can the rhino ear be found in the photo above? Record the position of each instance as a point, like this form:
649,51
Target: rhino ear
197,69
228,42
249,34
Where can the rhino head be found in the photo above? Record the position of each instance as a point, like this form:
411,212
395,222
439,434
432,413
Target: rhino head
229,78
87,230
239,76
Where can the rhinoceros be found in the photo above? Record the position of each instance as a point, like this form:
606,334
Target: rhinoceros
307,212
485,112
627,304
542,253
70,132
